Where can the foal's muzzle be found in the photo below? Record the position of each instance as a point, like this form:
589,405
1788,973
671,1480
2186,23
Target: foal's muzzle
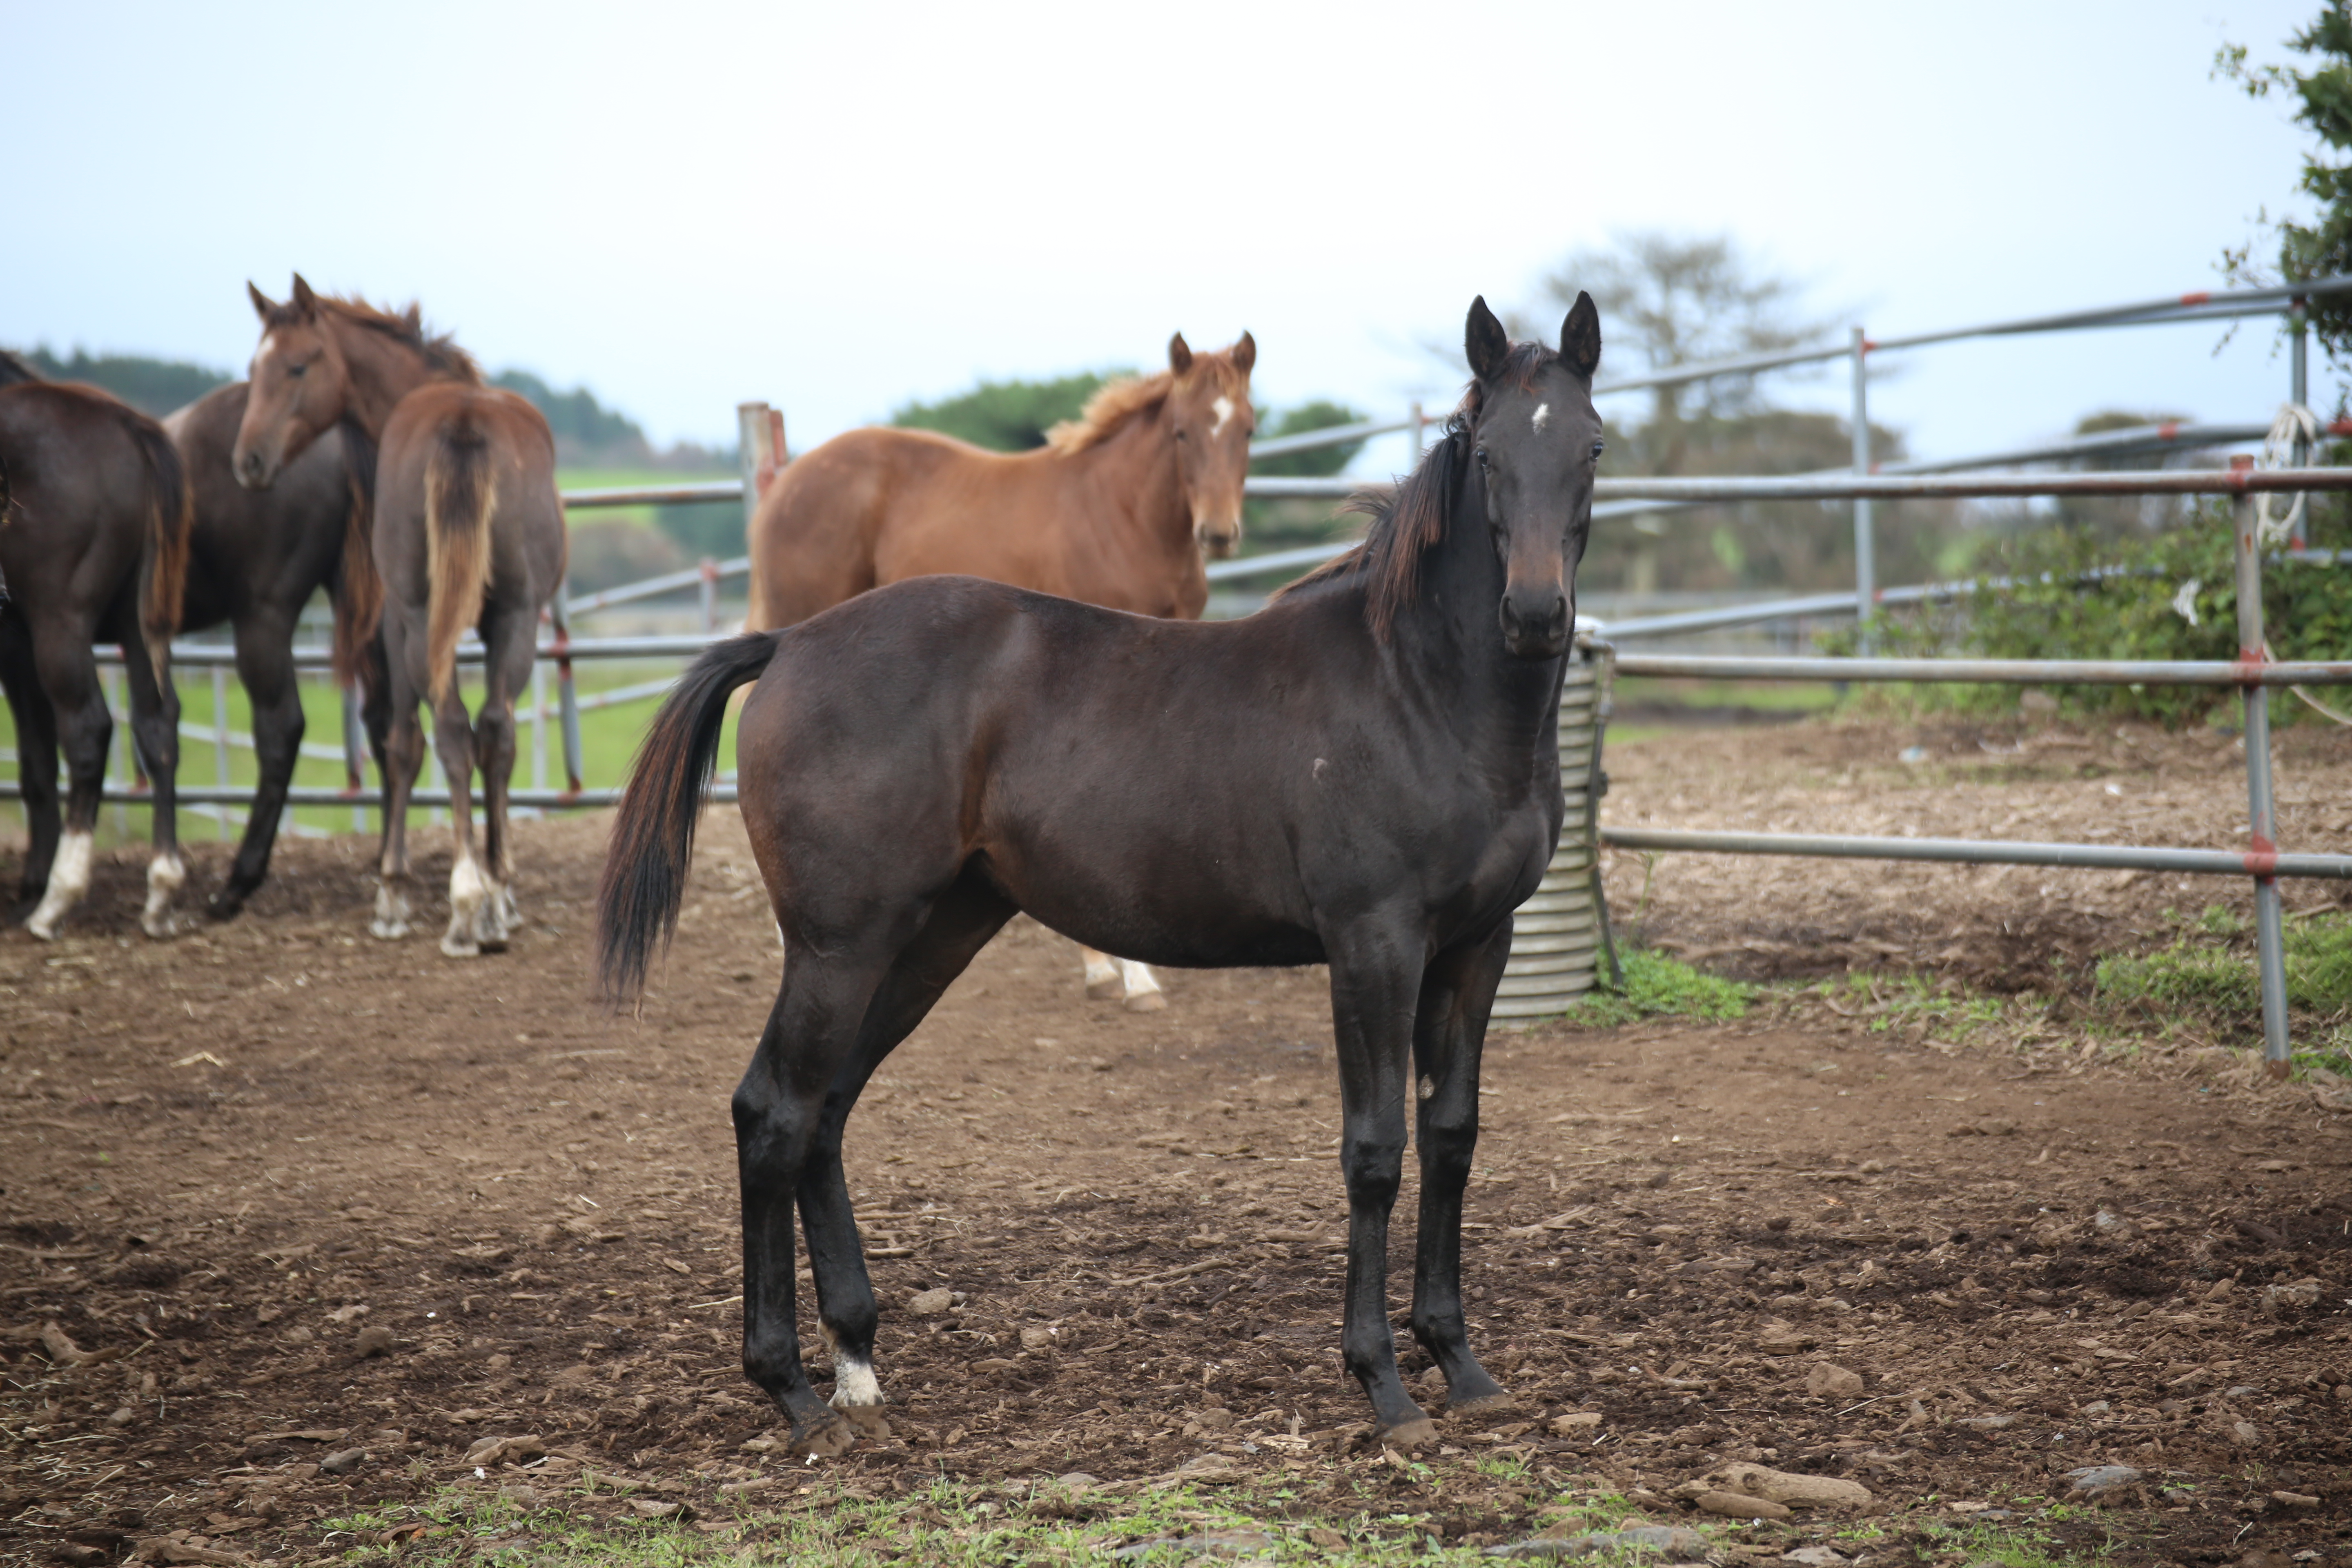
253,470
1218,540
1534,625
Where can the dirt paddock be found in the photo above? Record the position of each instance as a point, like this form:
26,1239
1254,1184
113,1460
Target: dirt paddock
313,1215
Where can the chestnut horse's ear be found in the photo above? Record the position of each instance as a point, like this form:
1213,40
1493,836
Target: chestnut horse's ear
1180,355
1579,336
304,299
1246,354
415,318
262,304
1484,342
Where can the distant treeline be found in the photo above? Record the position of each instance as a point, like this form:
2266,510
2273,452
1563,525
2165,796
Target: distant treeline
587,434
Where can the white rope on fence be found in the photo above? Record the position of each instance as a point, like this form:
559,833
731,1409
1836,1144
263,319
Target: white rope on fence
2295,432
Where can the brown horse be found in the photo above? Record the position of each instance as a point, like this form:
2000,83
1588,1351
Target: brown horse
1365,774
1117,509
93,542
469,531
255,558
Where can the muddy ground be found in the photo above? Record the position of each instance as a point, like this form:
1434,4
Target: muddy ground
313,1215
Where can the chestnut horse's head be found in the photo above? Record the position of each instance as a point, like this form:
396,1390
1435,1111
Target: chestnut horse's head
1537,442
300,385
1208,410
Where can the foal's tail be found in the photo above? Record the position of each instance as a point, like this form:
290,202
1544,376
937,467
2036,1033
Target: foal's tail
653,839
163,559
460,493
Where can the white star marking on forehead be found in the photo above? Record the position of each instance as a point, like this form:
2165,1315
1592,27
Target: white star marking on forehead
1224,408
1543,414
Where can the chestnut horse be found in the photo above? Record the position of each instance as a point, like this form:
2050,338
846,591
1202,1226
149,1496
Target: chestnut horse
468,532
1117,509
93,545
1365,774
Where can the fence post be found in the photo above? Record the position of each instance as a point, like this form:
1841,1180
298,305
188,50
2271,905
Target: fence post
760,451
2270,947
2299,393
1419,435
710,594
1865,563
567,694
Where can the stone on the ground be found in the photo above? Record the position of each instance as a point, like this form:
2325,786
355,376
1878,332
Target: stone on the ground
1575,1421
1814,1557
2099,1480
344,1463
1740,1505
1208,1543
930,1303
1679,1544
1829,1381
373,1341
1786,1488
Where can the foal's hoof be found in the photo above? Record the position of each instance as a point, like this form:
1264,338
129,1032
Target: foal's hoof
824,1437
1107,989
1407,1435
389,930
1147,1002
460,947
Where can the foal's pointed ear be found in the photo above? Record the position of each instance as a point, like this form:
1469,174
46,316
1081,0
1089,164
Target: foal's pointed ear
1579,336
1180,355
1246,354
1483,340
305,302
414,318
262,303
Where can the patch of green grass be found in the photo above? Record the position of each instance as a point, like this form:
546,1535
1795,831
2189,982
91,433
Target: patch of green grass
2212,980
2013,1546
946,1523
1657,986
1913,999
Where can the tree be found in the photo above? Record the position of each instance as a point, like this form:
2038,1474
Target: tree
154,386
585,430
2323,98
1006,415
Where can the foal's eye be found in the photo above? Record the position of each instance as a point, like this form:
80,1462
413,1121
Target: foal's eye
1481,454
298,370
1599,448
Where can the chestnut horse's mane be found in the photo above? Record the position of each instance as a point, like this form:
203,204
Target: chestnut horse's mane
440,349
1408,522
1116,402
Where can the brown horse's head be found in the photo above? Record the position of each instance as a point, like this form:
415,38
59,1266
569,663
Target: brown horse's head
1209,411
300,386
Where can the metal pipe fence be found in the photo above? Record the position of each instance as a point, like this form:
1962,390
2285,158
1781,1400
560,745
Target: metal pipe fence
762,454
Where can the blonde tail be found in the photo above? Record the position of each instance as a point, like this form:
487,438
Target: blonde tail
460,494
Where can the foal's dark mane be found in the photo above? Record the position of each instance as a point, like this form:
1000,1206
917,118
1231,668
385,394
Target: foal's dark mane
440,349
1408,522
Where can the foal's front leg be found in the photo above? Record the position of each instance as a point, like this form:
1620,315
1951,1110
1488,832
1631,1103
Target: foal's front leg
1375,978
1449,1034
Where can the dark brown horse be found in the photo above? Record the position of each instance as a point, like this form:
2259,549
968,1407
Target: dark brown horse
468,532
1117,509
1363,774
93,543
254,559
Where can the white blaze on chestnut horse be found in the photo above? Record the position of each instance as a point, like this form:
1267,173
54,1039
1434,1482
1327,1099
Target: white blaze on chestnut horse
1117,509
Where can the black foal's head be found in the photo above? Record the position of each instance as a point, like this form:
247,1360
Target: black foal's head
1536,439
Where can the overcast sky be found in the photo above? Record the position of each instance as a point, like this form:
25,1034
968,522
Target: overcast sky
840,207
